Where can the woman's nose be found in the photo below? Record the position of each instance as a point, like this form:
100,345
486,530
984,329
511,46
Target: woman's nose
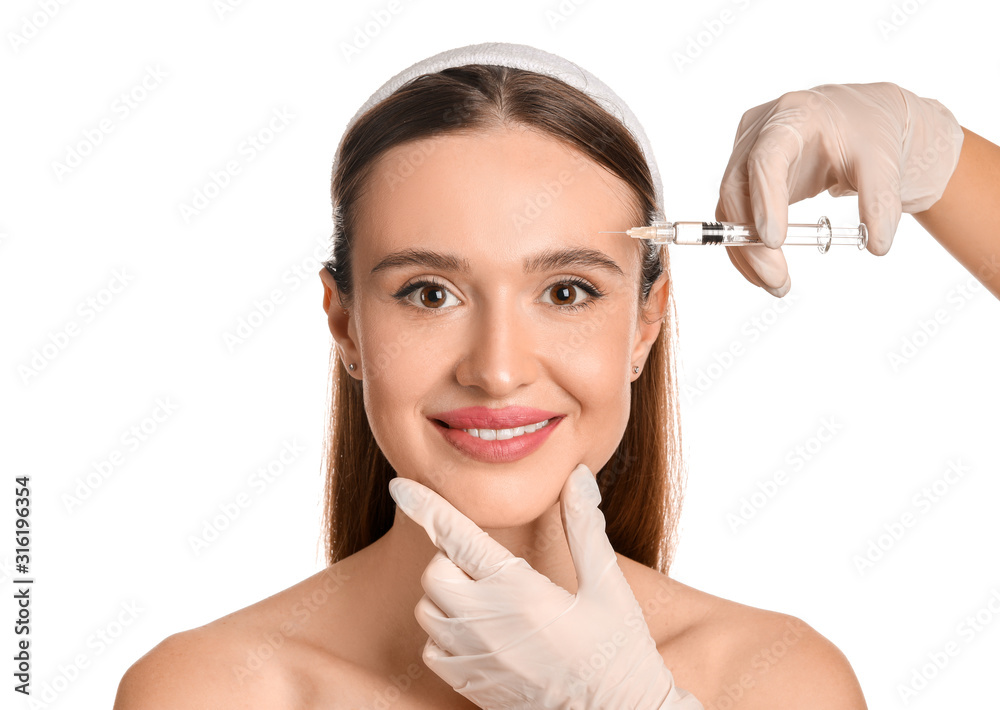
500,351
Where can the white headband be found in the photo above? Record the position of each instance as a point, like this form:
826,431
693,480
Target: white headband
522,56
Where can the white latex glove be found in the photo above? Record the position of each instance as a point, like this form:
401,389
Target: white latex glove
891,148
505,636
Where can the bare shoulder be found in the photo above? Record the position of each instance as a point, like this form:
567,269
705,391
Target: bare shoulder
200,668
255,657
732,655
774,660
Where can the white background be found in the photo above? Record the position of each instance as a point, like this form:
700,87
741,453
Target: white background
162,338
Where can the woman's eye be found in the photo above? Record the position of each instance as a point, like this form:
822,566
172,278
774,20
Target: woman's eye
431,295
565,294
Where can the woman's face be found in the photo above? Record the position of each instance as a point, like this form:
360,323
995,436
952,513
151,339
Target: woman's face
498,334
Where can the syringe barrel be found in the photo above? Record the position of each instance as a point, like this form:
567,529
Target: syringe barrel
691,233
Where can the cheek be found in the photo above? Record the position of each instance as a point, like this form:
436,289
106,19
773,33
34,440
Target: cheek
407,367
396,376
595,348
591,361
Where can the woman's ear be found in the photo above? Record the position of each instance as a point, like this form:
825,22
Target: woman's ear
650,319
340,321
329,287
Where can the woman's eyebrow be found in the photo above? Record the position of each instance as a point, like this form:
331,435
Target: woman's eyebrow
547,260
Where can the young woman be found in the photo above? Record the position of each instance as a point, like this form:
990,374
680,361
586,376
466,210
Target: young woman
468,272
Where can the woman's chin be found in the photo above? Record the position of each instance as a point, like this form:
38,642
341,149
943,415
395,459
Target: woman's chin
512,507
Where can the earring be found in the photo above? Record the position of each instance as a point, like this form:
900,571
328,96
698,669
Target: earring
351,366
635,369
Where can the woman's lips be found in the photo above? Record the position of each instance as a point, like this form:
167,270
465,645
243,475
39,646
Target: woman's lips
497,451
488,418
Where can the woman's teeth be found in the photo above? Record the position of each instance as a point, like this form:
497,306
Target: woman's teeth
501,434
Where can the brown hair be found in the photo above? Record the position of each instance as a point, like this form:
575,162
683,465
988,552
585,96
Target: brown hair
641,484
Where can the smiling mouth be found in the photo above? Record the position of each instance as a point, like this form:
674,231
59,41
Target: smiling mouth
498,446
546,422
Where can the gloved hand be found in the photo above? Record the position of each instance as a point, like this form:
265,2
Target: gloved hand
891,148
505,636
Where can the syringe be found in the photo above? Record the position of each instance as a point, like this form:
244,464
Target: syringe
820,235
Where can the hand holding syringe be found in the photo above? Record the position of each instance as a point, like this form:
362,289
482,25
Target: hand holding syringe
893,149
820,235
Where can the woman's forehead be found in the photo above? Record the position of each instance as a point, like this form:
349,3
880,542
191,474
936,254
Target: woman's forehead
502,188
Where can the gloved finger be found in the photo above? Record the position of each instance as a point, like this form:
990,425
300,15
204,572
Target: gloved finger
781,290
734,253
441,572
767,264
750,122
456,594
782,163
741,266
737,256
443,664
432,651
778,146
445,584
585,528
459,635
450,636
472,676
430,618
879,204
734,194
468,546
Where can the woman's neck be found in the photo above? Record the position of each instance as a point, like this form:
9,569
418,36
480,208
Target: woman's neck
393,565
